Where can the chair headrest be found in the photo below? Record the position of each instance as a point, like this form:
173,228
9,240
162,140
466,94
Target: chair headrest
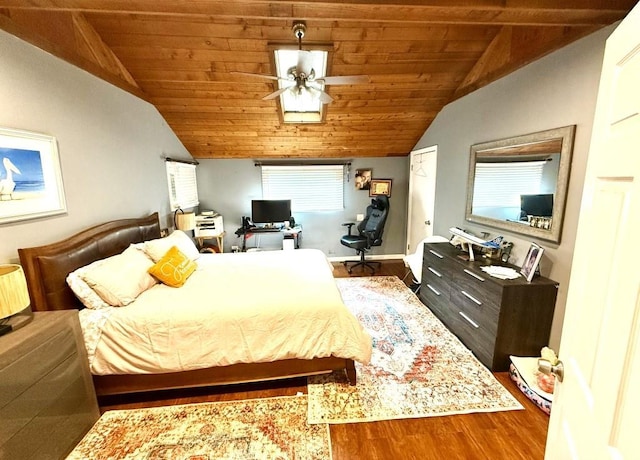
380,202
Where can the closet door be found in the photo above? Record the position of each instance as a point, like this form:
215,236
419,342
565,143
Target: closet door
422,196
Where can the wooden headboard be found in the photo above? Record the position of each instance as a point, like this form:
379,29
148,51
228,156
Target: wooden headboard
46,267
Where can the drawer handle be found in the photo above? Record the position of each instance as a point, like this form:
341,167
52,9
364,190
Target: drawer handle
478,277
469,320
435,272
434,290
436,254
472,298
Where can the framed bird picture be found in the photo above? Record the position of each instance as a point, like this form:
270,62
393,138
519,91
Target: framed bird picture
30,177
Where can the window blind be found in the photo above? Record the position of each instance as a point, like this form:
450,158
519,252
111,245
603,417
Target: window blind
183,187
503,183
309,187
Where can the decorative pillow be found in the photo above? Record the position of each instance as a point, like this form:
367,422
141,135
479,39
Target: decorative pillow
173,268
156,249
118,280
83,291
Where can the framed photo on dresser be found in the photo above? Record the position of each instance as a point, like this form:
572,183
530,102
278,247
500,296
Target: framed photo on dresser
531,261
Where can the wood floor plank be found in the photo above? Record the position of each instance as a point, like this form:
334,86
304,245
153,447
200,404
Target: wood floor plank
506,435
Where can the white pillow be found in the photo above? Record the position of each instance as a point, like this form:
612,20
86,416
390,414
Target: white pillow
118,280
83,291
156,249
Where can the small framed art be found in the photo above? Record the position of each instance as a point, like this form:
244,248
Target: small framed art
380,187
363,179
531,261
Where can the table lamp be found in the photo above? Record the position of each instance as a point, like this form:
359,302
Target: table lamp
185,221
14,298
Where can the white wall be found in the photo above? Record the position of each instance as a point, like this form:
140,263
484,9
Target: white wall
110,144
557,90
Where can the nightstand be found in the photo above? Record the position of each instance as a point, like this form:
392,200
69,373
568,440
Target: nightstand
47,398
219,241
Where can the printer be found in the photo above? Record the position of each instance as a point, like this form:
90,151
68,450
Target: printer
209,225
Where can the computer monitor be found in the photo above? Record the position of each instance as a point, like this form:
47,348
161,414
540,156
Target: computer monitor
540,205
270,211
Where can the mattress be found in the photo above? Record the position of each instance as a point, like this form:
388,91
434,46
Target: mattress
235,308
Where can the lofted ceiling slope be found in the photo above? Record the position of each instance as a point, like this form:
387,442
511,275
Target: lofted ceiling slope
419,55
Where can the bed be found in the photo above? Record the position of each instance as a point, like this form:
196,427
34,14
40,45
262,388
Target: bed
232,282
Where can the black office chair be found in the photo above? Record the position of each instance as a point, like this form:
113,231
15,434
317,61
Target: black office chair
369,233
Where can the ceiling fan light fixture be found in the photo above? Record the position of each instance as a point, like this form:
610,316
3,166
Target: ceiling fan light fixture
299,75
303,72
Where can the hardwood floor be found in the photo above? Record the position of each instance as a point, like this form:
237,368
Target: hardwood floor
497,435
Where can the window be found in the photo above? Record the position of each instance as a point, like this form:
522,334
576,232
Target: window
301,104
309,187
504,182
183,188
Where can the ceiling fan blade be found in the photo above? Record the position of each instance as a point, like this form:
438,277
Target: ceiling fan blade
321,95
344,80
325,98
305,63
275,93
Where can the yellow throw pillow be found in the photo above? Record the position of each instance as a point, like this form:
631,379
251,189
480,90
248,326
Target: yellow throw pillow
173,268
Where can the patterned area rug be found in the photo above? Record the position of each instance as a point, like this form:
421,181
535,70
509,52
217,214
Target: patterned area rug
418,368
273,428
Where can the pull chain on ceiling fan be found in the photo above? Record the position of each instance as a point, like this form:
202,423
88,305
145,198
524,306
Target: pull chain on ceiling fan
303,74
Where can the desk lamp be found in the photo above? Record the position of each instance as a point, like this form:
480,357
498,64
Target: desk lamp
14,298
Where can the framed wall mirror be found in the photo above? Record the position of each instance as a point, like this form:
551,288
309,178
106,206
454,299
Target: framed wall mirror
520,184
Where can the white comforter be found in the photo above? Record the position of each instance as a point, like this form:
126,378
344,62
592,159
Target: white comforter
236,308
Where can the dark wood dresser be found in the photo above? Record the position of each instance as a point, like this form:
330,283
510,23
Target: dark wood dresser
47,399
494,318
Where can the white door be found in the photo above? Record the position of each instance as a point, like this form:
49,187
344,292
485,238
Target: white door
422,196
596,410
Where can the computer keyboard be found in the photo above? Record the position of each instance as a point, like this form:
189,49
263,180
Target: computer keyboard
264,229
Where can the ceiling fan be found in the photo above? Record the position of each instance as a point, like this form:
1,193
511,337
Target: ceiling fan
302,78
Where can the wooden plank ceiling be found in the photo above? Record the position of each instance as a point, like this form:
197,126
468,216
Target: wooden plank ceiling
419,55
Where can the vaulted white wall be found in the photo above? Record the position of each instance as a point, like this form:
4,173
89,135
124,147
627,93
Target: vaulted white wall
110,143
557,90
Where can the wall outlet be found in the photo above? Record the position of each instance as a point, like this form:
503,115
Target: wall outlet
235,249
360,217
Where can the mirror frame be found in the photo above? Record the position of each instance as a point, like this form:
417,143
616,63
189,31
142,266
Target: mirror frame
567,134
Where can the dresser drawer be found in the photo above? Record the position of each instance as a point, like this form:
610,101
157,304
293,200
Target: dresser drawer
481,308
436,299
437,277
57,405
29,369
437,260
478,283
476,337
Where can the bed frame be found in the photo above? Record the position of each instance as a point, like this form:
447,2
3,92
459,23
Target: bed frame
46,268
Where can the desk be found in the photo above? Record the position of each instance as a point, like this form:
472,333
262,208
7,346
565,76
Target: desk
295,232
219,240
